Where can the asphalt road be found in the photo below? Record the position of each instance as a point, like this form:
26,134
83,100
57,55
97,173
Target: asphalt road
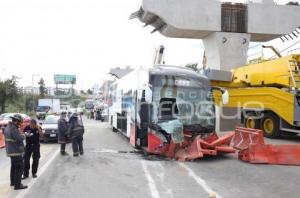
111,169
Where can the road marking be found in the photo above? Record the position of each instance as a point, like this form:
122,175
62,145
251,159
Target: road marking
151,183
105,151
41,171
199,180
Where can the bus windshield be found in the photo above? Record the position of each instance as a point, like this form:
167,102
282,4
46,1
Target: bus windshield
188,100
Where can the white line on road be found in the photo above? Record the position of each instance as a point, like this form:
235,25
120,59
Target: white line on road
41,171
199,180
151,183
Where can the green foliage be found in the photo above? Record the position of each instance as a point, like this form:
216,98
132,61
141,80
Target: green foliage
89,91
13,100
42,87
23,104
193,66
8,92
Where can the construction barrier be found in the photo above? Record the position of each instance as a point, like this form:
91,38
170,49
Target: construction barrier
252,149
191,148
2,140
212,145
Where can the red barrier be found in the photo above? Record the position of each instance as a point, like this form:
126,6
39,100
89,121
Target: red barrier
271,154
212,145
2,140
252,149
244,137
192,147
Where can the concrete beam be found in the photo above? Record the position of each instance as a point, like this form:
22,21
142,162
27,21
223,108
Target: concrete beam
199,18
267,21
183,19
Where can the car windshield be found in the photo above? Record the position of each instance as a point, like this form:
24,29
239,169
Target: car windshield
42,108
188,100
51,120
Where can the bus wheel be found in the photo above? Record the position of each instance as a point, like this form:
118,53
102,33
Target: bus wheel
114,129
251,122
270,125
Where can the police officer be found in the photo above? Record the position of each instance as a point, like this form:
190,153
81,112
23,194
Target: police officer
33,133
76,131
15,150
63,132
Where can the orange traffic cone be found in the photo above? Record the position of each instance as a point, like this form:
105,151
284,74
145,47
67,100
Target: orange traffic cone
2,141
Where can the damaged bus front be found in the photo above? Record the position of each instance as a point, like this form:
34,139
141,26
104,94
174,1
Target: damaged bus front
169,110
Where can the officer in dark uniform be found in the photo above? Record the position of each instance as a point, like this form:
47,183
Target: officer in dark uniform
63,133
76,131
15,150
33,133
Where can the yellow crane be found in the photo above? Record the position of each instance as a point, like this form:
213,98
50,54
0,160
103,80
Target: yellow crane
267,91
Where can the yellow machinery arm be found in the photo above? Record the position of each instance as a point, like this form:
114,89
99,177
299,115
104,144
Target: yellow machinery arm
281,72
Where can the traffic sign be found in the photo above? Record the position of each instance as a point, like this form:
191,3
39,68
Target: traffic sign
64,79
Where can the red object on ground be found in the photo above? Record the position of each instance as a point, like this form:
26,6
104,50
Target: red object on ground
271,154
253,149
2,140
244,137
192,148
211,145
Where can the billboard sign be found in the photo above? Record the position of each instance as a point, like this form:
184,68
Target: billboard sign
64,79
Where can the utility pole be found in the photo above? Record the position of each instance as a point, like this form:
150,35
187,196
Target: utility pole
32,90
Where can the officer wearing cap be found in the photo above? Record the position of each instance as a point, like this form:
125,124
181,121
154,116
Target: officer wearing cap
15,150
63,132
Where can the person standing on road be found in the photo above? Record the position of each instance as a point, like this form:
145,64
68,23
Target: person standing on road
63,133
33,132
15,150
76,131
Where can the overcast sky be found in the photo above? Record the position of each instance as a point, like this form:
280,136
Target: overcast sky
85,38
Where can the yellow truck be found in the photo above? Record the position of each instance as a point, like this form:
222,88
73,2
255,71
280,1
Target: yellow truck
266,91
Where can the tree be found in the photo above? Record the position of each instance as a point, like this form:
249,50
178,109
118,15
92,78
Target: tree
89,91
193,66
8,92
43,89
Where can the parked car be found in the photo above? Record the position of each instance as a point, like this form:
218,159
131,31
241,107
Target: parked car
50,128
5,119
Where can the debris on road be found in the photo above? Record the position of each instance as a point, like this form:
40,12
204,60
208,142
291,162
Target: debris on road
193,147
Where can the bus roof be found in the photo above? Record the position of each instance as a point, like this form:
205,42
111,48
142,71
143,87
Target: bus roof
176,71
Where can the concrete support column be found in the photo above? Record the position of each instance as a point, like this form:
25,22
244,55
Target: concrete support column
225,50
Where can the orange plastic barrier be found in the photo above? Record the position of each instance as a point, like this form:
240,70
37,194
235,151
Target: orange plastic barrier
2,140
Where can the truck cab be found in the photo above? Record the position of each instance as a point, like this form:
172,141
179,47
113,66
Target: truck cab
42,111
